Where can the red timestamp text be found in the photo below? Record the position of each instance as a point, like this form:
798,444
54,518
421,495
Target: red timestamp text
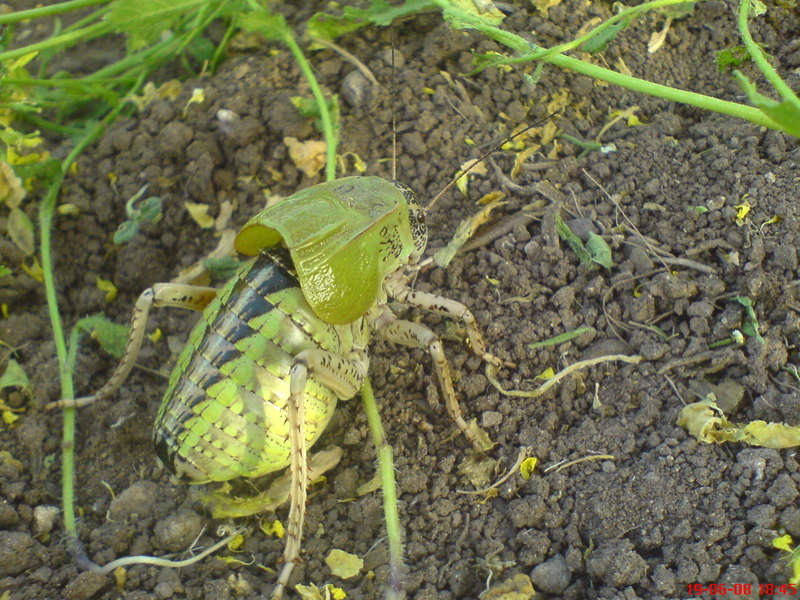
742,589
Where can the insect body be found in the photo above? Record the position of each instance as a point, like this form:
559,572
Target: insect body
288,336
224,413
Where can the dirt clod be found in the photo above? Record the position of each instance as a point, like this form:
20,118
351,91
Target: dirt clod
178,530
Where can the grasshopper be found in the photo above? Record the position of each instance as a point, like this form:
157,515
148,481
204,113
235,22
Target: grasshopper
288,336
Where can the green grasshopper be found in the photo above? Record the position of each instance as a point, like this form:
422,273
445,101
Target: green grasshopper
288,335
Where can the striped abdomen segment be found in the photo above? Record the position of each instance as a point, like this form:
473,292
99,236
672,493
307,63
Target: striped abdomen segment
224,413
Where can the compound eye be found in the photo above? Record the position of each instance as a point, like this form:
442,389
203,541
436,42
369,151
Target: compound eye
420,217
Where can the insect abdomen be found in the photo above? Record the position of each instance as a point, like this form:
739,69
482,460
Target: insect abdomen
224,412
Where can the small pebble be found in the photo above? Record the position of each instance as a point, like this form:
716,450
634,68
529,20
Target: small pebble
177,531
138,499
552,576
19,552
86,585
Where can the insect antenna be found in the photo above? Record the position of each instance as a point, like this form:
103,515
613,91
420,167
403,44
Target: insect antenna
475,162
394,115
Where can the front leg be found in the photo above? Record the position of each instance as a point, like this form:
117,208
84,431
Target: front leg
399,290
415,335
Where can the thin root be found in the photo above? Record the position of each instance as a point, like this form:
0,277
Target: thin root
490,374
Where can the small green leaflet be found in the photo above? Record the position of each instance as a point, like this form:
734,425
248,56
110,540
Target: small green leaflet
20,229
560,339
381,13
271,26
786,113
604,37
144,21
596,250
15,377
111,336
750,327
599,250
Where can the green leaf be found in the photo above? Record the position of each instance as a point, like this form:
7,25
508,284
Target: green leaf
786,113
20,229
308,108
599,250
125,232
129,209
222,268
604,37
678,11
759,8
560,339
270,25
150,210
201,49
15,376
329,27
731,57
4,270
750,327
111,336
574,242
143,21
381,13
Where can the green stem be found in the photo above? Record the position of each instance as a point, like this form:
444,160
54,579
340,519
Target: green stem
41,123
48,11
65,363
63,40
322,105
386,468
226,38
725,107
530,51
758,57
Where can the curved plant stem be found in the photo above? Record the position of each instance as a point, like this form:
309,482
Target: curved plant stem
66,359
326,122
758,57
48,11
60,41
531,52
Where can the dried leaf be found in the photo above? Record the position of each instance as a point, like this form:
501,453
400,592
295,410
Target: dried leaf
527,466
343,564
11,190
517,587
275,528
15,376
107,287
463,175
20,229
465,230
308,156
706,422
479,470
222,505
199,213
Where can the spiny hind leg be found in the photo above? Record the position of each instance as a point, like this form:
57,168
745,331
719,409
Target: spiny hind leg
344,376
415,335
176,295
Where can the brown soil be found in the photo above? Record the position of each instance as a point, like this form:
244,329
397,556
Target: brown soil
663,513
